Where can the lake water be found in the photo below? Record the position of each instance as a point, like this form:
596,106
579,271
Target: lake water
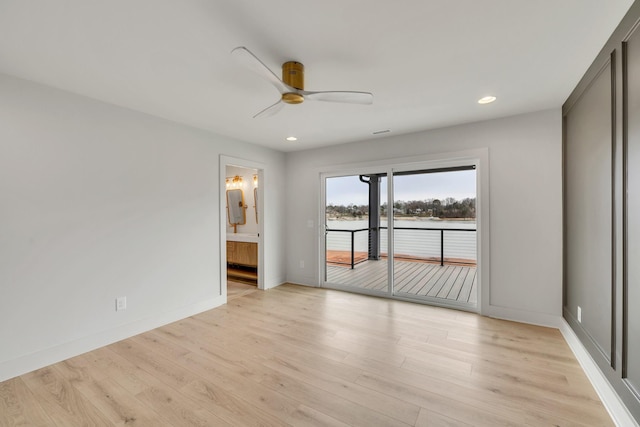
420,243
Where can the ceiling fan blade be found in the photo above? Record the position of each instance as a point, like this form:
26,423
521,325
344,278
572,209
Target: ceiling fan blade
270,110
339,96
249,60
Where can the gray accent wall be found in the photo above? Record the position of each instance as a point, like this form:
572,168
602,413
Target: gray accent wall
601,194
588,175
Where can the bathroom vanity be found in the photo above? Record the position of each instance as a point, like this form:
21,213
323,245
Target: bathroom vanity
242,256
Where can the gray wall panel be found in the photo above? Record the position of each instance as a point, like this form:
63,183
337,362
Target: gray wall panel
588,192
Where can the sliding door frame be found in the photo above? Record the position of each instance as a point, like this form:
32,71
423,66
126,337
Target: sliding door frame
478,158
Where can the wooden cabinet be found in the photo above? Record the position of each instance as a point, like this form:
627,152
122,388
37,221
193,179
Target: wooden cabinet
242,261
242,253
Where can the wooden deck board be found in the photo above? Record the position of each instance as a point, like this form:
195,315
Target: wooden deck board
406,272
425,280
448,282
448,285
473,295
417,279
446,272
467,286
454,292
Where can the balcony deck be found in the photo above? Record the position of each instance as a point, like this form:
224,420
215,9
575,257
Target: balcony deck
412,278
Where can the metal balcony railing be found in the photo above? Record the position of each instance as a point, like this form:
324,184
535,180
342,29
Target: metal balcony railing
421,244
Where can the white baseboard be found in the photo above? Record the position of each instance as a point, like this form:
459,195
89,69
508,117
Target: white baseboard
523,316
301,284
30,362
274,283
612,402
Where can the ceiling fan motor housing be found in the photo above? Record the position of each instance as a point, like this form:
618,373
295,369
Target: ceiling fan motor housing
293,75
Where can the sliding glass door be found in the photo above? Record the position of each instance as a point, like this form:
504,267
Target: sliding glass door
420,246
355,240
435,235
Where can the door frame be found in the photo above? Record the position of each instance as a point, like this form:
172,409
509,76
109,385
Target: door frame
247,164
478,157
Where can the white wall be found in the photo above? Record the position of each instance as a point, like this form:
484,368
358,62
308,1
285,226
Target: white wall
98,202
525,205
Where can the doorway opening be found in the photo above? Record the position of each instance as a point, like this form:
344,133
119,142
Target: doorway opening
241,265
242,224
408,234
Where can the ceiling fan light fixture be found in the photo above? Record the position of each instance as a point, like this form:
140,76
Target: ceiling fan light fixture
487,99
292,98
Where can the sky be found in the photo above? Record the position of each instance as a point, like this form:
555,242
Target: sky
458,184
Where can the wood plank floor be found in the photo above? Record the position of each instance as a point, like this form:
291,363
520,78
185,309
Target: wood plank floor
238,289
449,282
315,357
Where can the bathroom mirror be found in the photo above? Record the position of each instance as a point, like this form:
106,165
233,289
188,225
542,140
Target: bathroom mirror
255,202
236,208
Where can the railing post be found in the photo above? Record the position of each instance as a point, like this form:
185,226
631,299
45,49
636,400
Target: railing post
441,247
353,233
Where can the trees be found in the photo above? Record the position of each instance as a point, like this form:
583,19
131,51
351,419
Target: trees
349,211
447,208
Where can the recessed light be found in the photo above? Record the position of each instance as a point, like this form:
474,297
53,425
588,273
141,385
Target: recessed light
292,138
486,100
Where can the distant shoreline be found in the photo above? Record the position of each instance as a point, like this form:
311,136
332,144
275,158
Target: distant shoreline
402,218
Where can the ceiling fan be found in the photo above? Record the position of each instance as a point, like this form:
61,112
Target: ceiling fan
291,86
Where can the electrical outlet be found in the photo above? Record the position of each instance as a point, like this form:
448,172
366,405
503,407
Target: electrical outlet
121,303
301,264
579,314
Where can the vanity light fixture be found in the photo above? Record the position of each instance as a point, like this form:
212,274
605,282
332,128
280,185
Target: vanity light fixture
255,180
487,99
234,182
292,138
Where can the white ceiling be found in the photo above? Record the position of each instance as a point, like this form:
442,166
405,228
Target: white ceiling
426,61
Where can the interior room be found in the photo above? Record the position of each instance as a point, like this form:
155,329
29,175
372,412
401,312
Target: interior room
242,236
164,213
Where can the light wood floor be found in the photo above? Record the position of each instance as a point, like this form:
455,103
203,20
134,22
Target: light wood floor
448,282
238,289
309,357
